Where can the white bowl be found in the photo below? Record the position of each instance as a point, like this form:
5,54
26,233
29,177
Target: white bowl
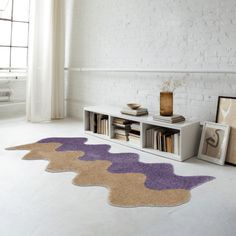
133,106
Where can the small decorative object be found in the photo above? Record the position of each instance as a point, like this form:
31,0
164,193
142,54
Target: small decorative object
166,96
226,113
214,142
133,106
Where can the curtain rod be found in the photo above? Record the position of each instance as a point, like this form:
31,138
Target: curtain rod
148,70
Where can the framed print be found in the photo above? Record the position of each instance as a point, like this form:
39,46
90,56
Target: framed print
214,142
226,114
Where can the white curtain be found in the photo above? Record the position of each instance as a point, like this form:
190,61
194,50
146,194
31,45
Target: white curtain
45,86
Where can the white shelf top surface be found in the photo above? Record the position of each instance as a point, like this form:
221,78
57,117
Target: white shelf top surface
148,119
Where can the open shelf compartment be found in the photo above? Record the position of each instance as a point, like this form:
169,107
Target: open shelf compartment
161,140
97,123
125,131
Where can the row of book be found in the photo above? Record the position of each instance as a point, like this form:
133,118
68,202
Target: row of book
126,130
98,123
163,139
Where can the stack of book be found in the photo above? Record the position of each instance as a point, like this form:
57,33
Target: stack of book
134,134
126,130
134,112
169,119
163,139
121,128
98,123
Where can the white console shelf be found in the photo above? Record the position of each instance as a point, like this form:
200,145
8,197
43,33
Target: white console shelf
189,132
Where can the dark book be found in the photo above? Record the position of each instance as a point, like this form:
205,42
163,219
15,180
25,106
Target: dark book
95,123
134,133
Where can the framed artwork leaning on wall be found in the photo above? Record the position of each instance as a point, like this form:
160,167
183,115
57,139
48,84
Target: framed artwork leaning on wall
226,114
214,142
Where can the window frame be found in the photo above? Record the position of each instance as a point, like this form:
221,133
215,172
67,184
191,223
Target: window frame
10,70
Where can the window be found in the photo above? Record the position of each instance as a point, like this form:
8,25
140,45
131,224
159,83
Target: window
14,29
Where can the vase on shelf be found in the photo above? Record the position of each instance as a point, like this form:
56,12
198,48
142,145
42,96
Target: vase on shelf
166,103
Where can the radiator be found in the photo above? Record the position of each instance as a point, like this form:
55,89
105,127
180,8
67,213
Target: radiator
5,94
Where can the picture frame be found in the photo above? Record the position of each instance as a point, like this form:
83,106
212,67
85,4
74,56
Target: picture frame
214,142
226,114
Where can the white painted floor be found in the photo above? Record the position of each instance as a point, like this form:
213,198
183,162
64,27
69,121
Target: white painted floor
36,203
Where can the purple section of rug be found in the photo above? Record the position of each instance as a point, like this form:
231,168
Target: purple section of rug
160,176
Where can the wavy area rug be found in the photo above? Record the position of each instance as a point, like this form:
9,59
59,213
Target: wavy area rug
131,182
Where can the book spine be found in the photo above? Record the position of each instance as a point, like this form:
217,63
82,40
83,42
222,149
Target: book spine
102,126
168,141
176,143
90,121
172,143
95,123
155,140
108,127
105,127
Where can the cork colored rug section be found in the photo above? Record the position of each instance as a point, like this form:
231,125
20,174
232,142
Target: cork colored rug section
131,183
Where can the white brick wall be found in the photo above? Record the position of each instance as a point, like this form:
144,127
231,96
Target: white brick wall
195,99
173,34
159,34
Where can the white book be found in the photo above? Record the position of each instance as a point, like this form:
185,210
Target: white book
176,143
155,139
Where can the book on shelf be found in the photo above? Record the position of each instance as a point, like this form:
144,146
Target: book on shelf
134,133
169,119
121,137
120,131
137,112
176,143
126,135
91,121
95,123
133,139
150,137
169,144
126,126
121,121
98,123
163,139
126,130
135,126
103,126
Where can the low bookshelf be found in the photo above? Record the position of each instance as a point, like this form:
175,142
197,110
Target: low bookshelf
177,141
